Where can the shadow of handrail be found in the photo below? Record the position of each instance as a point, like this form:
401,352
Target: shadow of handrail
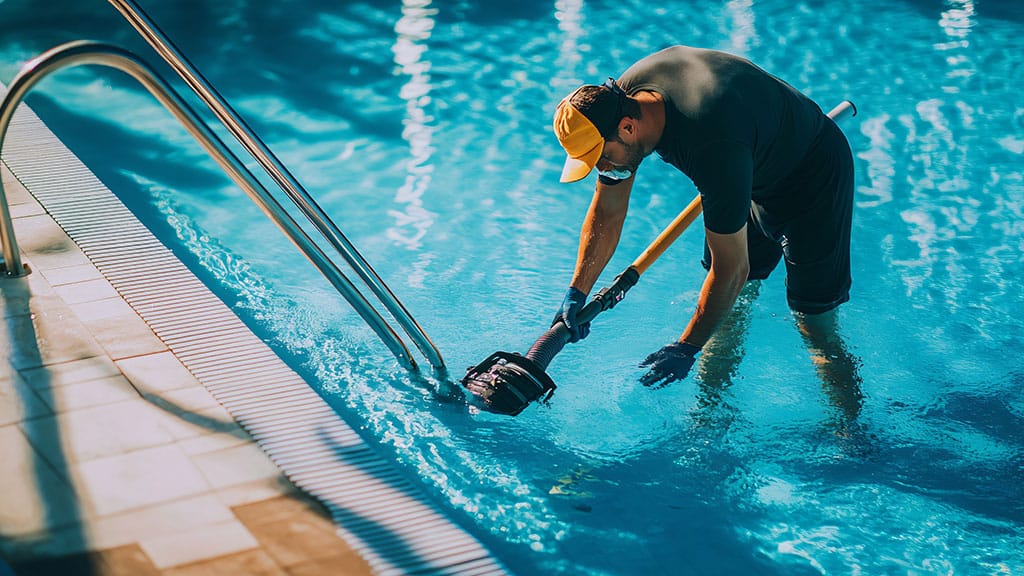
195,418
60,503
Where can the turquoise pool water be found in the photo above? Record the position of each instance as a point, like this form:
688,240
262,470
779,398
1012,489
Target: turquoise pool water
423,129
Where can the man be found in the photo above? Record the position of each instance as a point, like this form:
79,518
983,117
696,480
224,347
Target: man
774,173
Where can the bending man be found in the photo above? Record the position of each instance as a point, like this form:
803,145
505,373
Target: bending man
775,176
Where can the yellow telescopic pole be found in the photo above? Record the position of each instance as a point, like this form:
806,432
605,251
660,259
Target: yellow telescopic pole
668,235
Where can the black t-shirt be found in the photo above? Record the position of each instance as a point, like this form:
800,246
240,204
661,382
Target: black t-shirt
734,129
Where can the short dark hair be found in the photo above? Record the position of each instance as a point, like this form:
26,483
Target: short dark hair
604,107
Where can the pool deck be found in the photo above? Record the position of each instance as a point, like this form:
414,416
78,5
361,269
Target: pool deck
145,430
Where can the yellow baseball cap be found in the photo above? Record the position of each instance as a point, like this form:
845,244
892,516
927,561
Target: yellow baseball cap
581,140
575,125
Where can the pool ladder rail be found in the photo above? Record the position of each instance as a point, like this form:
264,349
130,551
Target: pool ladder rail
92,53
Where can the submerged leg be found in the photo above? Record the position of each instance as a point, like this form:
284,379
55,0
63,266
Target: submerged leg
721,356
837,367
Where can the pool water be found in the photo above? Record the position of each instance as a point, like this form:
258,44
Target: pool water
423,128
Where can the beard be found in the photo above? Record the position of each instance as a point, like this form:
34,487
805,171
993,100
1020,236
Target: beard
634,156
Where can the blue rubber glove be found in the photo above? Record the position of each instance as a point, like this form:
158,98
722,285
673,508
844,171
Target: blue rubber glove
671,363
572,303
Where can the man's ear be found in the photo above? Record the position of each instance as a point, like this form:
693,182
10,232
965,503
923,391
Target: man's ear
627,124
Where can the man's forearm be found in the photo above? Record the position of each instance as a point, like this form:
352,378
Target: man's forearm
597,245
717,297
599,236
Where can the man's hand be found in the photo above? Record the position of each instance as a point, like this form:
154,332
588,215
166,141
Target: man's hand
671,363
572,303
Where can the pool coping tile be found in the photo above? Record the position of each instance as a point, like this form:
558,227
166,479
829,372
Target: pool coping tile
210,541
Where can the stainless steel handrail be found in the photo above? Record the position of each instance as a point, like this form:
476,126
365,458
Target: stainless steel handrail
11,263
85,52
278,172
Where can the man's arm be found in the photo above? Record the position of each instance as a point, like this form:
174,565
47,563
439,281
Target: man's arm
730,266
600,232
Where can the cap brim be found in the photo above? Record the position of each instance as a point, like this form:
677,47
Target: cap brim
576,169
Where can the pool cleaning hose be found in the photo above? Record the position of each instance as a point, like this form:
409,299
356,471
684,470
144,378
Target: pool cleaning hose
508,382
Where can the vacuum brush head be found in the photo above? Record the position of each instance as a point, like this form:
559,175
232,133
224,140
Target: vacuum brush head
507,383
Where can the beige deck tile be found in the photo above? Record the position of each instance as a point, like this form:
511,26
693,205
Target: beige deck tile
34,497
99,432
157,521
26,209
189,424
199,544
17,399
16,193
237,465
118,530
138,479
45,244
111,307
50,334
197,421
73,372
109,390
214,442
86,291
157,372
71,274
193,398
259,490
118,328
126,337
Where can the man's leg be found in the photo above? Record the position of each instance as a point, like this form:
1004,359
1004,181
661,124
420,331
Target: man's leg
817,250
837,367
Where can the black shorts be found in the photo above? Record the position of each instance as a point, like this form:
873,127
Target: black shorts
815,242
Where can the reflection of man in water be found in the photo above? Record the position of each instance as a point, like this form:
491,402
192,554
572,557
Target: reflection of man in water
775,176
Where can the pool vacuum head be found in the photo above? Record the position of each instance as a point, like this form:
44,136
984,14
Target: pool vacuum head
507,382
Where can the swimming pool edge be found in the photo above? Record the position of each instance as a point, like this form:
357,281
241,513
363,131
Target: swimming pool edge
384,517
